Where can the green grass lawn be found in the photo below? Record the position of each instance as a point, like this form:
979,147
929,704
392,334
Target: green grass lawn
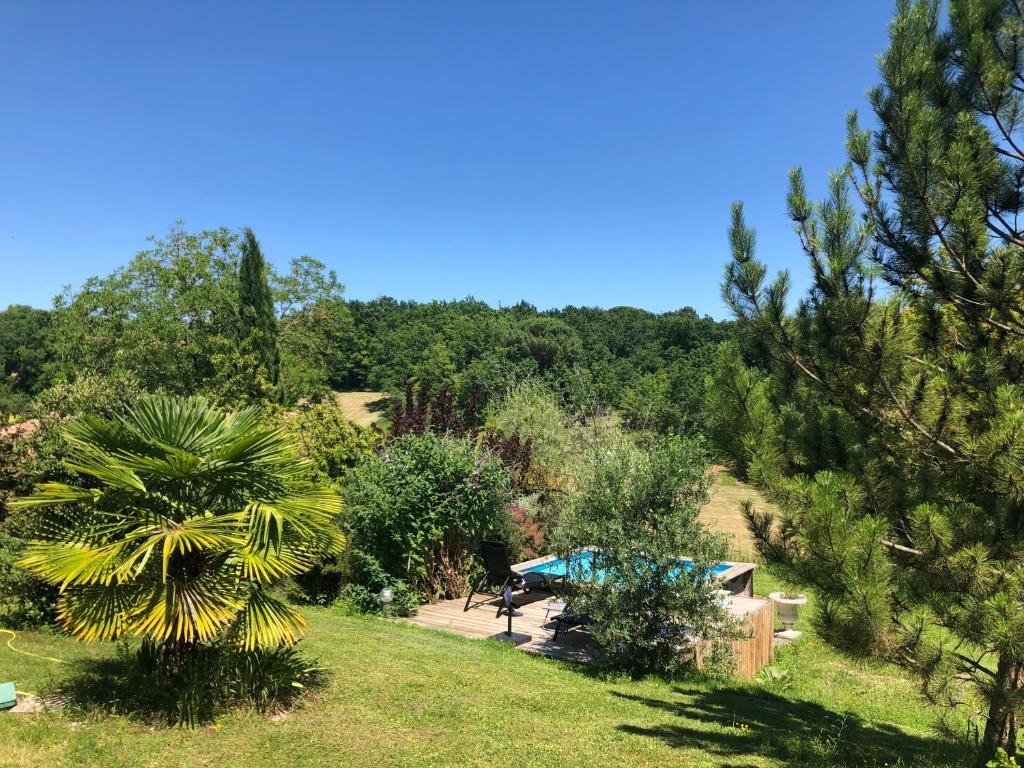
400,695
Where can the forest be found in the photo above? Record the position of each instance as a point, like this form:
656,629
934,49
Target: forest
169,321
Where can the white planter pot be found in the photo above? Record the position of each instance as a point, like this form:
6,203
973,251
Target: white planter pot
787,607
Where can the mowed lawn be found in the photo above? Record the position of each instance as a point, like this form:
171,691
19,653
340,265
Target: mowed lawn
400,695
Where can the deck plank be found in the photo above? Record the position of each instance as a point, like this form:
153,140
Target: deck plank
534,631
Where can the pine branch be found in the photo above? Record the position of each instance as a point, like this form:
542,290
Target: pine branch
901,548
920,428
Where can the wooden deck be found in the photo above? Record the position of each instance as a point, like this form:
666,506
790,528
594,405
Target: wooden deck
534,631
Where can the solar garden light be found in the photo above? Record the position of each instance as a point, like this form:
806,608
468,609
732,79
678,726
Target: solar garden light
387,596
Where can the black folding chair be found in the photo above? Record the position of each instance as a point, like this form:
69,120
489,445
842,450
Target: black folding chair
499,576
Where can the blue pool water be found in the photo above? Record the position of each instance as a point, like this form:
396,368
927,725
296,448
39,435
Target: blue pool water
583,566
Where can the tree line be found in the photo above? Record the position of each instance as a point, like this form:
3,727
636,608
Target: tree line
204,313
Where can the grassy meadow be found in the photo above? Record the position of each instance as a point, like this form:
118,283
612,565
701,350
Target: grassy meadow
362,408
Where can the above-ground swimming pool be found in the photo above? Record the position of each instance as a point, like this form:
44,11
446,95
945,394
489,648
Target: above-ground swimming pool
738,578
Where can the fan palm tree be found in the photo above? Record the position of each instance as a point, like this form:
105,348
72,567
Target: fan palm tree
194,514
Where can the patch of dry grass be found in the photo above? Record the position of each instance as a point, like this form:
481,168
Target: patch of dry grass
363,408
722,514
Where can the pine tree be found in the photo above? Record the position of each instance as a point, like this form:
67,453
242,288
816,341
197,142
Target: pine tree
913,330
257,322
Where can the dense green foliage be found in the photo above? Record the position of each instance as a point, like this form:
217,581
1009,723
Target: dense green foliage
192,315
902,370
168,317
638,505
25,601
202,313
531,410
190,516
179,318
419,506
24,356
331,443
651,365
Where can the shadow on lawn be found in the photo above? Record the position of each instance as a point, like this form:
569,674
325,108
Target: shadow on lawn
110,685
194,695
733,723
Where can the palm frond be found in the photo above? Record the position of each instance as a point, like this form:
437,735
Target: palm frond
266,565
266,621
184,423
98,612
197,511
191,611
55,495
66,565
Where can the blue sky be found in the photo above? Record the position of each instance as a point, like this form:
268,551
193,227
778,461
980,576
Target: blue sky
559,152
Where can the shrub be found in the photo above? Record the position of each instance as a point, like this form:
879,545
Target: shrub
25,601
320,585
1002,760
638,507
532,412
367,580
331,443
419,506
12,404
17,470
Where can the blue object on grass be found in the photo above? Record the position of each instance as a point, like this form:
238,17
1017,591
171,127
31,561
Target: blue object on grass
8,696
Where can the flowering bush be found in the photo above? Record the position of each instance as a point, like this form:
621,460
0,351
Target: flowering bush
419,506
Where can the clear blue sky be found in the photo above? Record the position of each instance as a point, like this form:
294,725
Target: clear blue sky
558,152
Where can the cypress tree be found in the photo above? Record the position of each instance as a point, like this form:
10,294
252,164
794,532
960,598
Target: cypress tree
913,330
257,322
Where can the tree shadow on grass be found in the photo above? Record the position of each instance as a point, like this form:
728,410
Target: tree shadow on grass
379,406
193,697
108,685
733,723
